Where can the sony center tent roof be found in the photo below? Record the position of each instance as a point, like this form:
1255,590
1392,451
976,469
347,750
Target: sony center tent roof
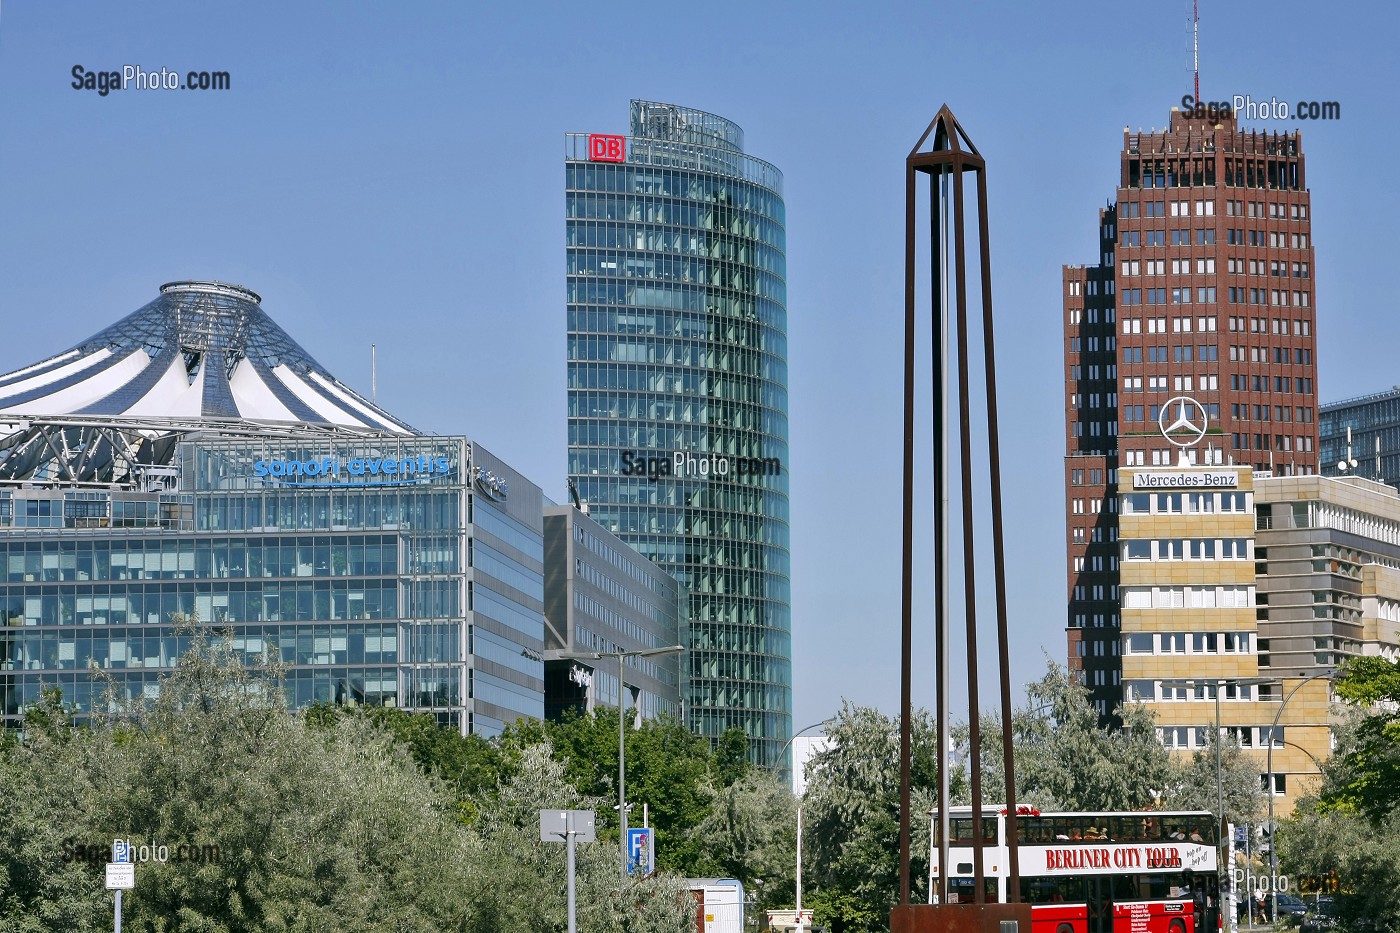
202,358
201,350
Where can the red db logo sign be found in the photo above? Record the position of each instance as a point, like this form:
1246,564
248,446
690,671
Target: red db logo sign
607,148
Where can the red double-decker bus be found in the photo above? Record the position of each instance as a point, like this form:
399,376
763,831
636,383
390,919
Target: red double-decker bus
1148,872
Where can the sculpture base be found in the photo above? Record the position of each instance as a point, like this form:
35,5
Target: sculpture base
961,918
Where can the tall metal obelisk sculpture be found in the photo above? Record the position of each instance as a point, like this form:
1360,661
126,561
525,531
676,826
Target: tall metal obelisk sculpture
952,156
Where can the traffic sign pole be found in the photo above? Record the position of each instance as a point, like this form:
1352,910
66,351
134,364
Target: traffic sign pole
573,925
121,855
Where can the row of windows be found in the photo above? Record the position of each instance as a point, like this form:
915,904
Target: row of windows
1192,737
678,297
731,262
329,509
672,182
768,728
691,325
712,219
371,686
1176,691
1168,456
1154,267
627,564
680,409
1208,382
1302,385
1239,173
623,377
1303,414
1271,210
1158,296
1186,503
1275,442
624,624
200,558
1133,239
95,510
763,695
120,648
1280,298
596,487
1170,549
154,604
705,554
646,608
702,354
1189,643
1158,325
1275,268
1183,353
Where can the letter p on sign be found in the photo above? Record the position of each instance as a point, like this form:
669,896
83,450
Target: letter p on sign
607,148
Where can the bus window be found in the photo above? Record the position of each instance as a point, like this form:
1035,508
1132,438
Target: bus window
1052,890
1201,829
1034,829
960,830
961,890
1125,829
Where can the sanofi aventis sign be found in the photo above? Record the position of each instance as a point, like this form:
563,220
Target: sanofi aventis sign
353,471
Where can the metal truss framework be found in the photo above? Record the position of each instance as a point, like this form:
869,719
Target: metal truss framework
102,452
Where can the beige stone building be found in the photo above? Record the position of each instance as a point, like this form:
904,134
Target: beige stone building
1196,598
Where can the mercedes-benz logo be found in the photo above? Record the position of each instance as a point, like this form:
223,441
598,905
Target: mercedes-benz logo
1183,421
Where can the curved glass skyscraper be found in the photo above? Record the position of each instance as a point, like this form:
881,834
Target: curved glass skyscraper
678,392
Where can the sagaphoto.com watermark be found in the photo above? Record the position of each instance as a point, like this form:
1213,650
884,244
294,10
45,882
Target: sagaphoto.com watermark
134,77
1246,107
140,851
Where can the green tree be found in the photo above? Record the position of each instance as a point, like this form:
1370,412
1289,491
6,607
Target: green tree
525,886
668,769
852,817
319,822
1194,784
749,832
1065,759
1366,776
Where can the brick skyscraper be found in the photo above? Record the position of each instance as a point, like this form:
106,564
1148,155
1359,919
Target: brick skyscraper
1203,289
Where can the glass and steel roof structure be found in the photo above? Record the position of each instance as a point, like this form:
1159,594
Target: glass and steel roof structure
201,357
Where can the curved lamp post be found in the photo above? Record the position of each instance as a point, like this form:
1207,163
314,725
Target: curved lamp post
1273,729
777,758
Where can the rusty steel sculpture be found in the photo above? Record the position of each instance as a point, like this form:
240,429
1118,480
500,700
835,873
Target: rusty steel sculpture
950,157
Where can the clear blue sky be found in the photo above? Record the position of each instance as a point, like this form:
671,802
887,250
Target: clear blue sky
391,173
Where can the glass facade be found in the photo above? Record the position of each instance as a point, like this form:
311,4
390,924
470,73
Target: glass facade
399,571
601,596
677,392
1374,442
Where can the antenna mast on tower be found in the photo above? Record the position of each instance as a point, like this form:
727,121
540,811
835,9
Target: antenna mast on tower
1196,45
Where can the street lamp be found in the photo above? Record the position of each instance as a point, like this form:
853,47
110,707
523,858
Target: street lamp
622,733
1219,765
777,758
1269,767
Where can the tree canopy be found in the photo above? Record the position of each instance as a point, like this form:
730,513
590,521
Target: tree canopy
1366,776
302,822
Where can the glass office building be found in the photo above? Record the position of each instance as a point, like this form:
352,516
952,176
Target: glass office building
1365,430
192,459
677,391
600,594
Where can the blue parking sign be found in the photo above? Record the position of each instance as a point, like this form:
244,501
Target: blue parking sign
121,852
641,851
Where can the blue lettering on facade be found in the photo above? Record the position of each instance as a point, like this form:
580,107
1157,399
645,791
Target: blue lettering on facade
356,471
